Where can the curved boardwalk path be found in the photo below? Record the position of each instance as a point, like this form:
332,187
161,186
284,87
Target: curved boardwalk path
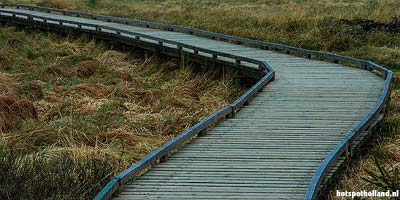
274,145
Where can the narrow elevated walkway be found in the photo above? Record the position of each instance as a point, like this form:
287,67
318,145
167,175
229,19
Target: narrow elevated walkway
274,145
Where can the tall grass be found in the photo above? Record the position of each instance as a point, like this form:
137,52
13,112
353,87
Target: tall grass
41,176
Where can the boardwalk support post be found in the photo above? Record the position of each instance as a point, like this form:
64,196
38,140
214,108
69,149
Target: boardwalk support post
202,133
182,56
231,115
147,54
164,158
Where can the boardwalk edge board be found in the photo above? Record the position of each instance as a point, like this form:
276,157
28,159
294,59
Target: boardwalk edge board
343,148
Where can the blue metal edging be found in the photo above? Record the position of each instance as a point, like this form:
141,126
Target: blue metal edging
164,150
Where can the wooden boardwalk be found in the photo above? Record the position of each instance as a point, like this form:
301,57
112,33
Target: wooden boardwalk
274,145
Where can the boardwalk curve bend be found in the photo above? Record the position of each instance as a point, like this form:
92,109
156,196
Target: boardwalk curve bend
284,138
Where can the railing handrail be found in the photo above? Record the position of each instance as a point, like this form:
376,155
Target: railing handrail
261,44
343,146
161,41
214,35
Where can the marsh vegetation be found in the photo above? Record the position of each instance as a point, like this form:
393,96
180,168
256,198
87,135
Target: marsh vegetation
74,113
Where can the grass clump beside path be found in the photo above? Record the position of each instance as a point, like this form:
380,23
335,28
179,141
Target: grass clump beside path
74,113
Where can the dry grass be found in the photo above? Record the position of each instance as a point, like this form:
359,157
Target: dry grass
14,110
71,102
57,4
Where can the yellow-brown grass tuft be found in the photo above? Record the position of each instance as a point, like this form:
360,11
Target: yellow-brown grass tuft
34,91
97,90
13,110
58,71
87,68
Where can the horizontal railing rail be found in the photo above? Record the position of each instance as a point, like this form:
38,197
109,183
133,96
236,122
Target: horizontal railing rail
213,35
119,32
320,175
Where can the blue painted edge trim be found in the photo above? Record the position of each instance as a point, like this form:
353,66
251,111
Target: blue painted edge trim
178,139
343,145
113,185
110,187
247,96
